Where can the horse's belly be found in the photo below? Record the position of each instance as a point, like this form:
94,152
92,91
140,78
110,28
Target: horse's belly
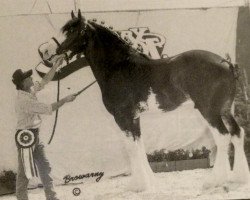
183,127
157,104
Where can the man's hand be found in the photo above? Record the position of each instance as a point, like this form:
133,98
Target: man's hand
49,76
66,99
59,61
70,98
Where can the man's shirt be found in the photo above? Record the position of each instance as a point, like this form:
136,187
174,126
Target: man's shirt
28,109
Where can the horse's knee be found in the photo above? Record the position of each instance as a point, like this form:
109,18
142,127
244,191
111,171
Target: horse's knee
238,140
217,122
233,127
129,125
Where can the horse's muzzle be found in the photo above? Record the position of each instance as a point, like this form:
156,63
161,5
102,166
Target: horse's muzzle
59,51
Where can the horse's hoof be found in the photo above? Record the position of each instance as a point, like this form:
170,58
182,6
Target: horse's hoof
234,178
207,186
212,183
139,186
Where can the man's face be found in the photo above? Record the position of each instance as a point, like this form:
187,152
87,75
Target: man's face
28,83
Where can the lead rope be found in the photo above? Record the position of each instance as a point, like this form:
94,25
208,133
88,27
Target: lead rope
57,99
58,94
56,116
58,85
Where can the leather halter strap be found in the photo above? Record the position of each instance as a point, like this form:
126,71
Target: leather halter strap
46,62
59,45
56,41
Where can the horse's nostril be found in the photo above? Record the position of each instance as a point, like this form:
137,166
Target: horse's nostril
59,51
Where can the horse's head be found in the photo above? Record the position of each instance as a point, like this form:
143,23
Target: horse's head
71,40
97,41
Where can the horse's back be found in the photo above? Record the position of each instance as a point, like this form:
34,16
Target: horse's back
199,56
191,63
201,65
197,74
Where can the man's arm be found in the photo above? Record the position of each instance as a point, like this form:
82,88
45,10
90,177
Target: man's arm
49,76
61,102
34,106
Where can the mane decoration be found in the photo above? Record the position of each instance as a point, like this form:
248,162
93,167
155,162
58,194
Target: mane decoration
126,42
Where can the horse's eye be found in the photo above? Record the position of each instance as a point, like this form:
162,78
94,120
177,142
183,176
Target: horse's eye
71,30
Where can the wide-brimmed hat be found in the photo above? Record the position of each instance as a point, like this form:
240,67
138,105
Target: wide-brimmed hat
18,77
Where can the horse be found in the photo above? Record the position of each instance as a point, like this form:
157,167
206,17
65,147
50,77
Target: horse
128,79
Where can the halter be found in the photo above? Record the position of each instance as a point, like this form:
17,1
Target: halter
48,64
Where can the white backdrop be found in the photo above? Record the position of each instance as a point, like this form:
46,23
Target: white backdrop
86,138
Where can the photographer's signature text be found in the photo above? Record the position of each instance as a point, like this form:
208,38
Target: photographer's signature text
97,175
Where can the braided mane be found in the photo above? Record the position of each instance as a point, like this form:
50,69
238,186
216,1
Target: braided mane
111,37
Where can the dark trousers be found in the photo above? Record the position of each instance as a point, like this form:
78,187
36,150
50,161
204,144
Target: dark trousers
44,170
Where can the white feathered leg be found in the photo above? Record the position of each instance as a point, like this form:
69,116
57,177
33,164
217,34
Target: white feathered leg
140,172
149,171
240,169
221,169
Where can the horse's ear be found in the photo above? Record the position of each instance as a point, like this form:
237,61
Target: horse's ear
73,15
79,14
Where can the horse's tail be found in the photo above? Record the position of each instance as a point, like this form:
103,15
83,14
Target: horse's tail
239,74
242,79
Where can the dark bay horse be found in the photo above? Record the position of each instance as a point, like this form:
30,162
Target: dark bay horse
128,79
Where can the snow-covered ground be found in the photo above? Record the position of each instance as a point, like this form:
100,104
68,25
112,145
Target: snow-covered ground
171,185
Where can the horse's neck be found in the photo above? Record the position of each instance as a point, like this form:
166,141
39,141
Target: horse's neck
97,66
103,63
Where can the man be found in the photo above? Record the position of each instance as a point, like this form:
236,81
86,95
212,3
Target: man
28,110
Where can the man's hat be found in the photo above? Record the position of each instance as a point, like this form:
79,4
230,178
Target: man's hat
18,77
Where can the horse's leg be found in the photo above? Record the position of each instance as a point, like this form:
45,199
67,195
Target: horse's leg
148,168
212,105
141,173
142,177
221,169
240,168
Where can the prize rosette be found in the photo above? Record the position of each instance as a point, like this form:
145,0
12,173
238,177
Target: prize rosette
25,140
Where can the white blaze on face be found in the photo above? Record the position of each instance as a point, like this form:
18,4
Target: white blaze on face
48,49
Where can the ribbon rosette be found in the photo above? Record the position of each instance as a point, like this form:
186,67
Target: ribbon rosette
26,140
